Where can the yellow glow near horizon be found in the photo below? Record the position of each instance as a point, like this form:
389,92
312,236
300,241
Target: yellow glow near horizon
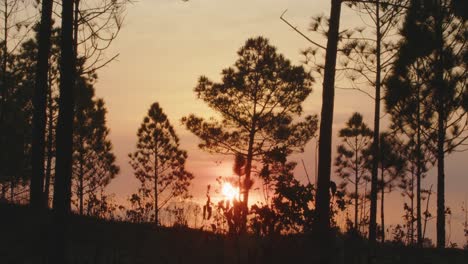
229,192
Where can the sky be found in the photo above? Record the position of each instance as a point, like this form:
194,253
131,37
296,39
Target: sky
165,45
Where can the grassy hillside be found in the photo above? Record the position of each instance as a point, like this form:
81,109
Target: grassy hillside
24,239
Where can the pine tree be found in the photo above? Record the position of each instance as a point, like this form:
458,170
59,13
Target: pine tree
93,161
433,55
392,167
353,158
257,99
159,165
39,101
368,59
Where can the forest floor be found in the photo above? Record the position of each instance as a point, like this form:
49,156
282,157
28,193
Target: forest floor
24,239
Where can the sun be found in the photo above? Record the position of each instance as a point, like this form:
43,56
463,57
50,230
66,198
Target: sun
229,192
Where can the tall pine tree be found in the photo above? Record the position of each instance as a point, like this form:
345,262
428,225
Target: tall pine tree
159,165
258,99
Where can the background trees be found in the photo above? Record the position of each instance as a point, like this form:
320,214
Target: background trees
352,159
93,161
159,165
369,57
439,71
392,166
257,99
14,108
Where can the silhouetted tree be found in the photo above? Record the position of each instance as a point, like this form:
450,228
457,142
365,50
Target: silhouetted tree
93,161
392,167
257,99
434,50
352,158
14,110
25,67
291,207
407,103
159,165
15,127
368,59
326,123
408,183
52,114
37,197
96,25
64,135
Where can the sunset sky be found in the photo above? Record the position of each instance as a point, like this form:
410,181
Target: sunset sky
165,45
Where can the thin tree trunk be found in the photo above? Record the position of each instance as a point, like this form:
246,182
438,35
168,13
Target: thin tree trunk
426,218
326,131
81,185
356,206
418,173
375,143
440,132
62,185
382,203
62,190
48,172
328,100
248,167
4,88
356,181
156,176
39,104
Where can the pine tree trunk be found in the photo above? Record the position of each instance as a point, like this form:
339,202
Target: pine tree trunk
48,172
322,224
39,104
62,186
356,205
156,176
375,143
356,185
62,190
441,97
418,174
81,186
328,100
248,168
382,204
4,88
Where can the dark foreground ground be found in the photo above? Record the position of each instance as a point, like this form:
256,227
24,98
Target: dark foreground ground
23,239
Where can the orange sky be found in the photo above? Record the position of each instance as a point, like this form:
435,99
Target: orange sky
166,45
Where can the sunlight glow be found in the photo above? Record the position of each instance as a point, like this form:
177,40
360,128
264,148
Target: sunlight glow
229,192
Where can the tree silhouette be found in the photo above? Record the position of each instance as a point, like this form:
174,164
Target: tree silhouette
369,58
158,164
326,130
257,99
14,98
15,127
37,198
408,183
93,161
291,207
439,68
406,102
353,158
392,167
64,135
